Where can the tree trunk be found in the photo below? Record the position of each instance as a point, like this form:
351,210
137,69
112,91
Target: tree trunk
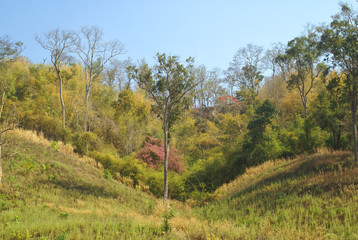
166,153
86,128
2,103
354,121
0,161
62,101
305,108
86,112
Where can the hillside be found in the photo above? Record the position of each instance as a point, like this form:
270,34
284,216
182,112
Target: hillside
50,193
309,197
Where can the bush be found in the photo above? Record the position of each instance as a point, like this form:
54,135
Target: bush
152,154
80,141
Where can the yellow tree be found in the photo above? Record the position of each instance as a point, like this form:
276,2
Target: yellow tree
9,51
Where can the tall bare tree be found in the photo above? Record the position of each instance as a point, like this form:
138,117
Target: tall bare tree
58,43
246,71
94,54
116,74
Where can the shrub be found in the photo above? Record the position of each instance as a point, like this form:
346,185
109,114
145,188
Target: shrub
80,141
107,174
152,154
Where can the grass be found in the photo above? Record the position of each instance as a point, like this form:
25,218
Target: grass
309,197
48,192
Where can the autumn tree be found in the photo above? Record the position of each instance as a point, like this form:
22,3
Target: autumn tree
58,43
339,40
9,51
166,83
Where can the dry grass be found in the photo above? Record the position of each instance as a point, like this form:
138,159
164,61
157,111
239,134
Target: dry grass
254,175
33,137
251,176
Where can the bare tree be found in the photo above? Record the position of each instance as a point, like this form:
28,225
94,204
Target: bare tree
94,55
246,70
116,74
58,43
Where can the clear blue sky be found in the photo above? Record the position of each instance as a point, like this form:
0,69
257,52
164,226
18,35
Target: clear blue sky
211,31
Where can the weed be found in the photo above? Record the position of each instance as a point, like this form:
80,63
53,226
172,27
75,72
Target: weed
51,177
62,236
54,145
166,226
107,174
63,215
17,235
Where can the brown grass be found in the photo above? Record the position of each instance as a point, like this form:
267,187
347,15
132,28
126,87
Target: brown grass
33,137
322,159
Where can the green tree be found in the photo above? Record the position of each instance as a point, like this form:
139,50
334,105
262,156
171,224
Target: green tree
166,83
339,40
255,139
302,59
330,110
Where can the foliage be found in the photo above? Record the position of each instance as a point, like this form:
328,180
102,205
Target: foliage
152,153
166,226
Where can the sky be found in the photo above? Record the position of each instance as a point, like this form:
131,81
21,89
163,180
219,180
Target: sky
211,31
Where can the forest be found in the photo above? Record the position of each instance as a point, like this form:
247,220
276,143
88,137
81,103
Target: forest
199,128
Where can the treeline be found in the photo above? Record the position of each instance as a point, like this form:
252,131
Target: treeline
288,100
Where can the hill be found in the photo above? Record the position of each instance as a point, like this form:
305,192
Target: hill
50,193
309,197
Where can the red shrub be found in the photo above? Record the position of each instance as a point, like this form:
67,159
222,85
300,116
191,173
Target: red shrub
152,153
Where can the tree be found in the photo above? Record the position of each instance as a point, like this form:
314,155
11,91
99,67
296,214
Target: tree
246,70
302,59
339,40
58,43
207,92
330,110
94,54
9,51
166,83
116,75
254,148
152,153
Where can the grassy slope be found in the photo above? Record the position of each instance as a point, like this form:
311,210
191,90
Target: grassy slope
49,194
310,197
